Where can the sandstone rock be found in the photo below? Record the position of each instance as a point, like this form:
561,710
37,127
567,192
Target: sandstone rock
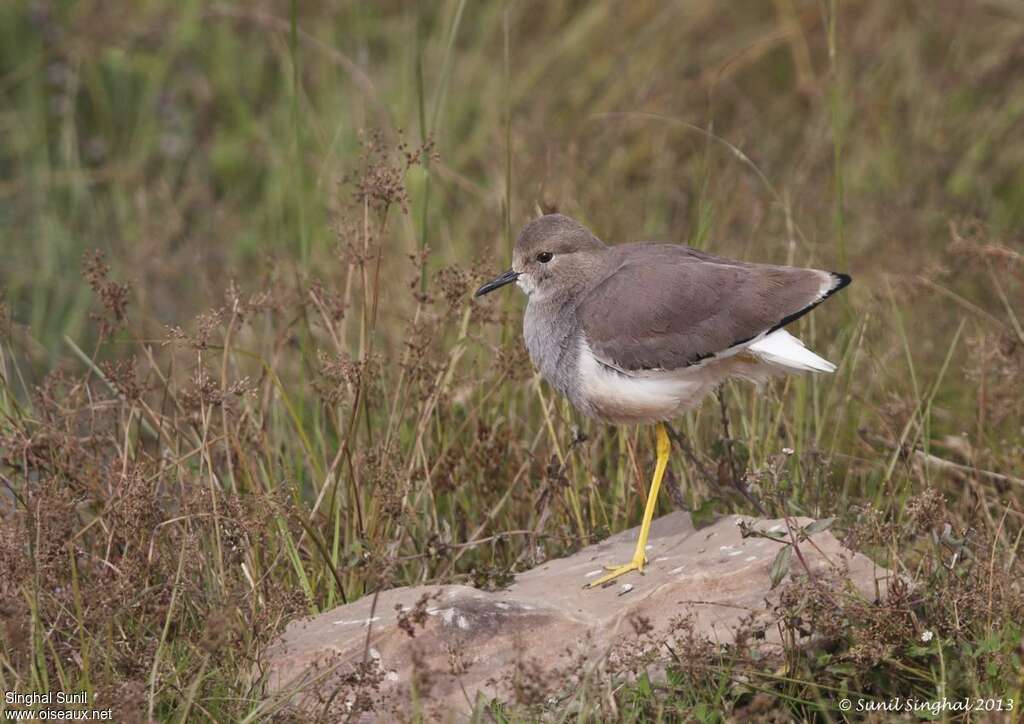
469,643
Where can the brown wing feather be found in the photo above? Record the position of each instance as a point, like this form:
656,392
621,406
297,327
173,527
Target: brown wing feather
671,307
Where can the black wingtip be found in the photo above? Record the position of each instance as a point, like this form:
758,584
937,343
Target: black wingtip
842,280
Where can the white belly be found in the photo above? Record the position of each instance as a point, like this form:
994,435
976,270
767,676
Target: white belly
647,396
653,395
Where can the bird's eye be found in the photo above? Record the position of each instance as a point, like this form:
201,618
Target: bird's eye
544,257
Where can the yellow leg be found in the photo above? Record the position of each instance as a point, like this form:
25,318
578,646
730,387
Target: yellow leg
639,556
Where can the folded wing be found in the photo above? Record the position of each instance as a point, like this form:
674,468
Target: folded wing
679,307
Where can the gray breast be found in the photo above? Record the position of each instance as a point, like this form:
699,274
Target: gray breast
552,336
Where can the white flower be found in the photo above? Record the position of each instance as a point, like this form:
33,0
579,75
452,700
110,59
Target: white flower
927,636
787,451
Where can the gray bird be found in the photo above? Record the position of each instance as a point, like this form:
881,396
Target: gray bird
639,333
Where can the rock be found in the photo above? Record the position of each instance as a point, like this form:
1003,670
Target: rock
467,643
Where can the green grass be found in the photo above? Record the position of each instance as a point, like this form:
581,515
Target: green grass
304,405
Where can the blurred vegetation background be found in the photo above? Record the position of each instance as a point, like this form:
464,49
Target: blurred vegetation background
191,139
298,199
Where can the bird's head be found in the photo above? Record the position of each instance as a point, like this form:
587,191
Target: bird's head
550,250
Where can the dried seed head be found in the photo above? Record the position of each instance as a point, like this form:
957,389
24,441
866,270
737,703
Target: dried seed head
113,296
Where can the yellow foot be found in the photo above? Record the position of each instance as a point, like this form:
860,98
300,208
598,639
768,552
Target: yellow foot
616,571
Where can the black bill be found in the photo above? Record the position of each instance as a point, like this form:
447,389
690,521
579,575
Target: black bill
500,281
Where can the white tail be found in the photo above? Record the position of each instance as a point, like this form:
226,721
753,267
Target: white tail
783,349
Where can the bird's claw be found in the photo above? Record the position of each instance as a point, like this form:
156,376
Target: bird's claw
616,571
